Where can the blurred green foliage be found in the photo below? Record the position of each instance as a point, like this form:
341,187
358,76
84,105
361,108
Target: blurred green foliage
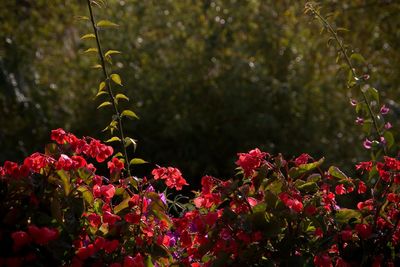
208,78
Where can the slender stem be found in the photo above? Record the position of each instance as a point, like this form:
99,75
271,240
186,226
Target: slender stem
350,65
108,86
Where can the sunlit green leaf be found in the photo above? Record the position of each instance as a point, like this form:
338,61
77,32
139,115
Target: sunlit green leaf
111,52
122,96
335,172
104,104
86,194
113,139
344,215
106,23
130,114
91,50
137,161
88,36
303,168
116,78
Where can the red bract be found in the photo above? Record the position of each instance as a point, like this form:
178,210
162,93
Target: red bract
291,203
110,218
115,165
42,236
172,176
107,191
302,159
137,261
363,230
323,260
20,239
250,161
362,188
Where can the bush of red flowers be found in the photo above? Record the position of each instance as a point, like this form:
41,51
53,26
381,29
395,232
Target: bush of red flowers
57,211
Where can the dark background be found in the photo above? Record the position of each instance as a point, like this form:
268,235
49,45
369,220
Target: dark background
207,78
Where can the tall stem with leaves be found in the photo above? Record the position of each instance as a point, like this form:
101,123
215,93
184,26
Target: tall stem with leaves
383,139
105,88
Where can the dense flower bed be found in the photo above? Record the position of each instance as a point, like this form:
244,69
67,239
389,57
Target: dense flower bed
56,211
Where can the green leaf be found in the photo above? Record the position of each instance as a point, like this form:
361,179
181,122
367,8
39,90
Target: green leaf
116,78
130,114
106,23
104,104
86,194
100,93
88,36
82,18
113,139
66,182
137,161
303,168
123,205
111,52
344,215
335,172
389,139
148,262
309,187
373,93
121,96
358,57
90,50
102,85
97,66
130,141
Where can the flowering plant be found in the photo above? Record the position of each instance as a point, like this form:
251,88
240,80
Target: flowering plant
58,210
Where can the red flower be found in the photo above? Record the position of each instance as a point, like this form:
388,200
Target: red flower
110,246
94,220
362,188
20,239
108,191
115,165
340,190
250,161
110,218
323,260
302,159
172,176
290,202
85,252
58,135
363,230
137,261
346,234
64,163
42,236
366,165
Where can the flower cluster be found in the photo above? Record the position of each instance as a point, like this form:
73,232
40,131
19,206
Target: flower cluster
275,211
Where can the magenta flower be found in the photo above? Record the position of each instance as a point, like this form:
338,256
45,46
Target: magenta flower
359,120
367,144
384,110
388,126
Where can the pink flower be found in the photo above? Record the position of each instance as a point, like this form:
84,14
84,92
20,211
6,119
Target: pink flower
367,144
384,110
359,121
